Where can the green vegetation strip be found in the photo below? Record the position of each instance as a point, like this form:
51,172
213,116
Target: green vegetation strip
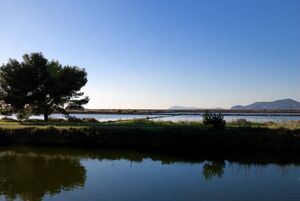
182,136
60,123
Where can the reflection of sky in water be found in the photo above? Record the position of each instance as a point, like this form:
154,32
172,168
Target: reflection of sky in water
130,176
154,181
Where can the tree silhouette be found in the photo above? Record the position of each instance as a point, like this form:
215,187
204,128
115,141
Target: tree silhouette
38,86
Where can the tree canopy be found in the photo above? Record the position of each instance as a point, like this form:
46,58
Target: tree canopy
38,86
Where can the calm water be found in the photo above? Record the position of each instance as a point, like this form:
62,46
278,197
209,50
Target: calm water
33,174
262,118
177,118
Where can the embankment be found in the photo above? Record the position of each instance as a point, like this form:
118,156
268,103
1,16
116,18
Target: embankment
179,138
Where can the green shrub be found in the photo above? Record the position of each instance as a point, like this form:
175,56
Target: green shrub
74,119
81,120
90,120
216,120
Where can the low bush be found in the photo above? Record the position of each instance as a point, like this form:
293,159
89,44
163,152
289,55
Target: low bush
216,120
90,120
74,119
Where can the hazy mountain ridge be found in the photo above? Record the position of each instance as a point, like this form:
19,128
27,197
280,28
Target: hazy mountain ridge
177,107
288,104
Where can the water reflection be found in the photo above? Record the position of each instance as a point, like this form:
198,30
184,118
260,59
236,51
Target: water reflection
213,169
36,174
30,176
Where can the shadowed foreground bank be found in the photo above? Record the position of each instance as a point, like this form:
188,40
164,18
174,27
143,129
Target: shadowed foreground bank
179,137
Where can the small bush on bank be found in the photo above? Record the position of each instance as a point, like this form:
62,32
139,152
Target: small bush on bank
83,120
216,120
90,120
74,119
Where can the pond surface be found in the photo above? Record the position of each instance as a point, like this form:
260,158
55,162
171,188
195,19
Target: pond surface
175,117
34,174
252,118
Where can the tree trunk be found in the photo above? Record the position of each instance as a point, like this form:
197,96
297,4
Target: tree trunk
46,116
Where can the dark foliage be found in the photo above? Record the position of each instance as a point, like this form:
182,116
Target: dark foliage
90,120
39,86
216,120
74,119
180,138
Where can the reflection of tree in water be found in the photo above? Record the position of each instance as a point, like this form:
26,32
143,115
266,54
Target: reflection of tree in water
213,169
30,177
30,173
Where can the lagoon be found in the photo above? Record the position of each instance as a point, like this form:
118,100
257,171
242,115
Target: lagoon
175,117
178,117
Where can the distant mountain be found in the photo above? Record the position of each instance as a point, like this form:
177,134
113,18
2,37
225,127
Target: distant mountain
176,107
285,104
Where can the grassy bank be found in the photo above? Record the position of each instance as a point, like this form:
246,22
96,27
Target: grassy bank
147,134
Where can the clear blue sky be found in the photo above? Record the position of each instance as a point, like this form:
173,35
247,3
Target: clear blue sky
156,54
